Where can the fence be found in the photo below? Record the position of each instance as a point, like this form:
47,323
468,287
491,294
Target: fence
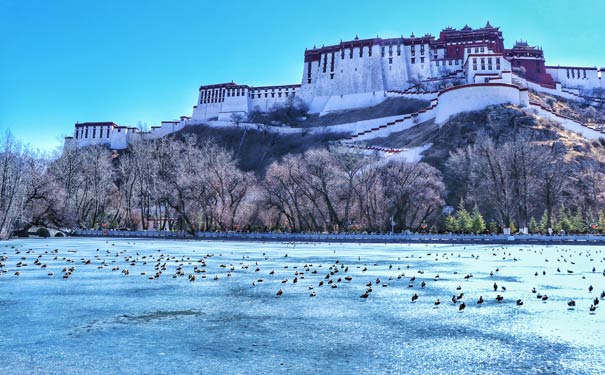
353,237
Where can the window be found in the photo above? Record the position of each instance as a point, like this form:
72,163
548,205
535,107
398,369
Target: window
476,50
482,49
108,132
437,63
398,50
469,50
382,53
94,132
390,60
422,60
331,75
413,60
449,62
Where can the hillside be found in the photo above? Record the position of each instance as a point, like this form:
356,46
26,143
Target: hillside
259,148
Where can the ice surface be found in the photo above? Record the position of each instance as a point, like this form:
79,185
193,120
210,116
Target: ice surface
100,321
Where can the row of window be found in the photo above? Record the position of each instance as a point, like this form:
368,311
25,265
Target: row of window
469,41
477,50
279,95
575,73
212,96
449,62
489,60
83,132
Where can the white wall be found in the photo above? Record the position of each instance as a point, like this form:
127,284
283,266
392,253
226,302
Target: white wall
352,74
568,124
571,77
476,97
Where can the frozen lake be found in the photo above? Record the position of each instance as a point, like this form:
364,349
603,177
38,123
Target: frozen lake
100,320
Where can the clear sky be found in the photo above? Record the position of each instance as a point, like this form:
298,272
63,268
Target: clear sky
127,61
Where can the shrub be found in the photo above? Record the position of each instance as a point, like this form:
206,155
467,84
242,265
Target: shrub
59,234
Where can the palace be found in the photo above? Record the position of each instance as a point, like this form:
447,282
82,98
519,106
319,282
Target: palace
364,72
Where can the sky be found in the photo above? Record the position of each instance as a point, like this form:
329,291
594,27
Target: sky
129,61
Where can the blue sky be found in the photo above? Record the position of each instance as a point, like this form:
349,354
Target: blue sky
128,61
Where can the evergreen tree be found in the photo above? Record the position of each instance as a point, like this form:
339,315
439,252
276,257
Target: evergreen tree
463,218
544,222
563,222
493,227
601,221
478,224
451,224
577,222
533,226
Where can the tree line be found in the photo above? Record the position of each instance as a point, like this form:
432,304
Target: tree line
192,185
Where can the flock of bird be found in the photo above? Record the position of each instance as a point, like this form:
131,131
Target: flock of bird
154,265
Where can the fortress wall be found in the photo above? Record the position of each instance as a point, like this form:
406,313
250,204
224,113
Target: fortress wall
351,72
237,103
342,102
118,139
476,97
418,70
575,77
206,111
567,123
394,68
265,99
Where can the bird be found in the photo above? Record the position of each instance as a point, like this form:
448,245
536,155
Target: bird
280,292
571,303
519,302
495,287
480,300
593,308
415,297
437,302
499,298
462,306
590,288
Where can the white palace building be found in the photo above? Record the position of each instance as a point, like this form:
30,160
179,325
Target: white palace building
364,72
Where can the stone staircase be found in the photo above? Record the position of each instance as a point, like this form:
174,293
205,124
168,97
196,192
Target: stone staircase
409,118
